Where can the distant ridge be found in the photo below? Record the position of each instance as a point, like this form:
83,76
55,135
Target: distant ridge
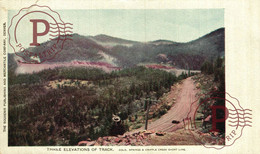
126,53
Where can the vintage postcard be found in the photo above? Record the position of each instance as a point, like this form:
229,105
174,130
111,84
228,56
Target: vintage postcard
129,76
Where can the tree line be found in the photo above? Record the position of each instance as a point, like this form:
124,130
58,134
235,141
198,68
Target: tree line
66,115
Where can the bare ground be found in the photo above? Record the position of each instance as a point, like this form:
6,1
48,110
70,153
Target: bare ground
185,95
163,131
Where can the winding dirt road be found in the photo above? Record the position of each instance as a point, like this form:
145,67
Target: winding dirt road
179,111
183,94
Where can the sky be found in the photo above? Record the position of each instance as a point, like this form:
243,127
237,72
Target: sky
180,25
146,25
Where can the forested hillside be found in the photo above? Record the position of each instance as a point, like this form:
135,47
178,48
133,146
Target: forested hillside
80,104
124,53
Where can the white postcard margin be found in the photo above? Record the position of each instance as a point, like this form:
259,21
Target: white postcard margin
242,59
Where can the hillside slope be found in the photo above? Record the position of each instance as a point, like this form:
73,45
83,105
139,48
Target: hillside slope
125,53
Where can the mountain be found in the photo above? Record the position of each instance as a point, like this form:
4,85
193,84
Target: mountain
189,55
160,42
125,53
109,39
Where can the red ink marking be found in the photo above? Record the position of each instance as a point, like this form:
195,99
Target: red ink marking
35,32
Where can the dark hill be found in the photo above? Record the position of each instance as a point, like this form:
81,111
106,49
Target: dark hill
125,53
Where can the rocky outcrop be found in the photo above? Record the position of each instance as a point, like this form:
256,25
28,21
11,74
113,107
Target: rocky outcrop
140,138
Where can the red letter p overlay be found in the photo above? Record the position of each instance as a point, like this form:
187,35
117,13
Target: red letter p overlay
214,117
35,33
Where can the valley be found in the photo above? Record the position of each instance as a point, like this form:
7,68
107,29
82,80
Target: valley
98,89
